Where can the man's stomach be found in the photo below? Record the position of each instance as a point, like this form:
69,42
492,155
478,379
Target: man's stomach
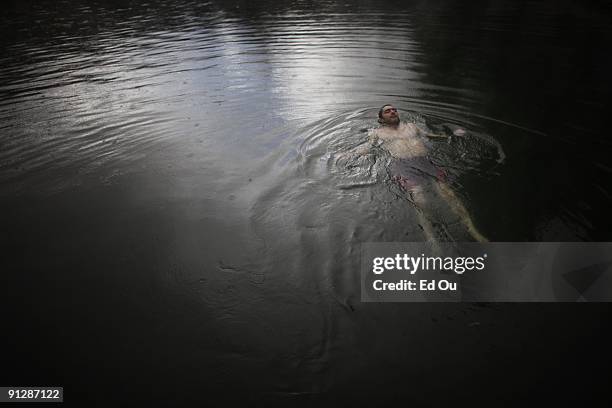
404,149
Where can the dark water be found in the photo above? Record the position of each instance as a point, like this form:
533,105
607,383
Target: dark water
177,225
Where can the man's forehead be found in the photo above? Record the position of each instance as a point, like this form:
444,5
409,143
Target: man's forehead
387,106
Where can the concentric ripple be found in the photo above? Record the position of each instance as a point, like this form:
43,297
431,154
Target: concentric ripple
175,182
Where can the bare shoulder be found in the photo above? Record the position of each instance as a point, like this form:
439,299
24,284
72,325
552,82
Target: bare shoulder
374,135
410,127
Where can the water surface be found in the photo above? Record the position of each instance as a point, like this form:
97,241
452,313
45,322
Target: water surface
175,210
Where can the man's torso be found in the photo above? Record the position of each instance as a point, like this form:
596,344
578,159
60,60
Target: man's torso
402,142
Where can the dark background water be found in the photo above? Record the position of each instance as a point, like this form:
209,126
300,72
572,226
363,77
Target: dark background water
175,227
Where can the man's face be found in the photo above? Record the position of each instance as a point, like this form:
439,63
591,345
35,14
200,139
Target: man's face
390,115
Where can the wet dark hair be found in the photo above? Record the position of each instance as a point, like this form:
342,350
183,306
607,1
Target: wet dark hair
380,111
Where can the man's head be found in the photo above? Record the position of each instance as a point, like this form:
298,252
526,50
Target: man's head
388,115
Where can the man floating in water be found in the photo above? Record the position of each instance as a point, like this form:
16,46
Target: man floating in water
412,169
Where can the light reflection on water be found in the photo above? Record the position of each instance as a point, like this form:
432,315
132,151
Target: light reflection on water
191,149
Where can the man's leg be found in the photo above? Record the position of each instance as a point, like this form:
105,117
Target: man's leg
434,232
459,209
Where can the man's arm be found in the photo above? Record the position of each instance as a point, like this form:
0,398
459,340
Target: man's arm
431,135
435,135
362,149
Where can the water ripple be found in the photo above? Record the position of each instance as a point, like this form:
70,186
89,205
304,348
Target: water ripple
91,84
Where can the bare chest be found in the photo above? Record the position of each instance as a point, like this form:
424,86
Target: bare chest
402,143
